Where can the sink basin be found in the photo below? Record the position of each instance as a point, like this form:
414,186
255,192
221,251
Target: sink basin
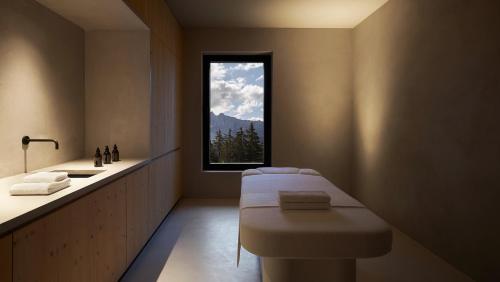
79,173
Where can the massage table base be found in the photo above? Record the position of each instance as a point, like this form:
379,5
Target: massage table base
304,270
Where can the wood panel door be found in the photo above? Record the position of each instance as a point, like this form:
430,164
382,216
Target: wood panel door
54,247
82,241
137,212
173,179
158,192
108,231
6,258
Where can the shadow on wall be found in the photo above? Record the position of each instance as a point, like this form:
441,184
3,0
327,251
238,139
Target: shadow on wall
426,125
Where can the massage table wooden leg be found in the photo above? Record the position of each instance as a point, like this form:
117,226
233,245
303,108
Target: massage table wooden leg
305,270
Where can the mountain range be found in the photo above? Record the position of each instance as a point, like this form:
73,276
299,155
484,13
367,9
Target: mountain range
224,123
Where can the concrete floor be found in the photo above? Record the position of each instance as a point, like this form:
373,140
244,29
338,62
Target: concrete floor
198,241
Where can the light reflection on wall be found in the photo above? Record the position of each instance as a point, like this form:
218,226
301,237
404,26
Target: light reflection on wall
41,86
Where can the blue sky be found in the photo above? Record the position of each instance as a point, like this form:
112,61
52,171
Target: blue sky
237,90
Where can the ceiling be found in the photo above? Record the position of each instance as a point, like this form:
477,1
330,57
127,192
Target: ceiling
273,13
96,14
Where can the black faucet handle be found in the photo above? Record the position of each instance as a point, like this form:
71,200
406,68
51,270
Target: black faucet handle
26,140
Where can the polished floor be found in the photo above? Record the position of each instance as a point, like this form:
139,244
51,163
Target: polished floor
198,240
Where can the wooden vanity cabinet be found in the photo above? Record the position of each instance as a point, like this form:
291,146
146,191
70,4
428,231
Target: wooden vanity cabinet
82,241
6,258
137,212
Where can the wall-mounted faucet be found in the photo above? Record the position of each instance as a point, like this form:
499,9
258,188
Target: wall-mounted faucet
26,140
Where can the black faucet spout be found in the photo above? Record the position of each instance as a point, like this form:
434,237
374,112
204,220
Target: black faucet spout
26,140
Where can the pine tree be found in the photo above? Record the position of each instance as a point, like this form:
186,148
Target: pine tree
253,147
214,157
228,147
239,146
218,146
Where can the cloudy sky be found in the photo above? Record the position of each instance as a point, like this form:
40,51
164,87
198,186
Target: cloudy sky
237,90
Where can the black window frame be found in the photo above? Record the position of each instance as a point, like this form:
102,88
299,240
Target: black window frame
265,58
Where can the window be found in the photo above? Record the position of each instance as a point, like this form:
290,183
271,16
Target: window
236,111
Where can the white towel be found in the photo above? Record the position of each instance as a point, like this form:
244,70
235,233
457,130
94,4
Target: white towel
279,170
250,172
39,188
45,177
305,206
304,197
309,171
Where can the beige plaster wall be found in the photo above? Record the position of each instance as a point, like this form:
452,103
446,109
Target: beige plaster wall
117,92
426,126
311,102
41,86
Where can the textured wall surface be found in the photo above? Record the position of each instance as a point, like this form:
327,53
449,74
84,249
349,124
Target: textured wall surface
41,86
311,102
117,92
426,126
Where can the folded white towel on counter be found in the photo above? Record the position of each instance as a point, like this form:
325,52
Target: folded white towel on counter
45,177
39,188
304,197
309,171
305,206
250,172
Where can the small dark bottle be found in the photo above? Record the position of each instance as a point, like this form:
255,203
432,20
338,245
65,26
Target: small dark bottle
97,158
115,154
107,155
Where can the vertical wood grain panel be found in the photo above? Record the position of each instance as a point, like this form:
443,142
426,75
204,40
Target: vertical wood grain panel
82,241
157,195
55,247
74,254
6,258
137,212
166,45
165,189
178,104
108,232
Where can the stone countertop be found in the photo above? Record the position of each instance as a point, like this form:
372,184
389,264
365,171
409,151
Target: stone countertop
16,211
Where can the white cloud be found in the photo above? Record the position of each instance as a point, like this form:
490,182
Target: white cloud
247,66
233,96
217,71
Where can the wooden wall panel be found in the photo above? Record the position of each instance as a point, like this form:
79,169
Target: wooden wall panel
6,258
165,99
177,105
137,211
166,45
158,128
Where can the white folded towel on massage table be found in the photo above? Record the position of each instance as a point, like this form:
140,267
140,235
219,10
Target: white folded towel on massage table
250,172
305,206
39,188
309,171
304,200
278,170
304,196
45,177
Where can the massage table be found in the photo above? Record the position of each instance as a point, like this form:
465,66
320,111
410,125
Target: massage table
306,245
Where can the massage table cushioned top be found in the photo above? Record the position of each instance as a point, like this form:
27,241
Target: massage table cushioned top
348,230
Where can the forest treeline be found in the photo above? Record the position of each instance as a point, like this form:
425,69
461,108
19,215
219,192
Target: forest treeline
244,146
